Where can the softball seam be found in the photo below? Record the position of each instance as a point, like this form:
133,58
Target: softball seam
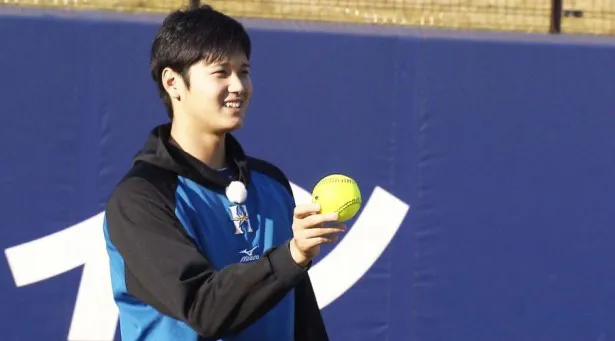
348,204
331,181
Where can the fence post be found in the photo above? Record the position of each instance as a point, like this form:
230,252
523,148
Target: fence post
556,17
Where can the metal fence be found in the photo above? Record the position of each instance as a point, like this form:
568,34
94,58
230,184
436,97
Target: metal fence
554,16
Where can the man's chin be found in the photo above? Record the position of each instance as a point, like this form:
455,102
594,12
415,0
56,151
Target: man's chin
232,125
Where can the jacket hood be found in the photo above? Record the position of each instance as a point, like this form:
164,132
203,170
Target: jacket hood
160,151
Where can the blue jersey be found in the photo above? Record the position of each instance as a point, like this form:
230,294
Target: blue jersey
188,264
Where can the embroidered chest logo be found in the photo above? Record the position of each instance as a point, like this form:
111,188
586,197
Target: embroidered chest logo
240,218
249,255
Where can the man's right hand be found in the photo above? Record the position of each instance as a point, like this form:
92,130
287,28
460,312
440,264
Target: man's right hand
311,229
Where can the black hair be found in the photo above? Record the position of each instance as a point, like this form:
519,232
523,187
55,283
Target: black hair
188,36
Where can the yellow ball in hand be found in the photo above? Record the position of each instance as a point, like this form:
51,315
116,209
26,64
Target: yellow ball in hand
338,193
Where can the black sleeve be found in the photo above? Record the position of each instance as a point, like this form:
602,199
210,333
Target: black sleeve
309,324
164,268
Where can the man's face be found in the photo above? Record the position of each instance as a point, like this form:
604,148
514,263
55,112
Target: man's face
219,94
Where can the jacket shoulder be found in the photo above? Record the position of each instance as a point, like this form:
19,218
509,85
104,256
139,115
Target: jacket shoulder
146,179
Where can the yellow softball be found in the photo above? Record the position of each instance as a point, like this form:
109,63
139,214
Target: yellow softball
338,193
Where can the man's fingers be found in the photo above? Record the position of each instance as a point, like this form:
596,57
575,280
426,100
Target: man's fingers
318,219
316,241
302,211
307,239
326,232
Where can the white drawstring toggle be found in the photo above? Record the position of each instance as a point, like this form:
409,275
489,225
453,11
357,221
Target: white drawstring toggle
236,192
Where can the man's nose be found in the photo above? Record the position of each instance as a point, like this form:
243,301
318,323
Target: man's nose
236,84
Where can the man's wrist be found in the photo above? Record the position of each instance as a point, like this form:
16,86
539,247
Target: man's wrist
298,256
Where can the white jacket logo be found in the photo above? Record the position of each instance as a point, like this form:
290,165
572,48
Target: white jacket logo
249,256
95,315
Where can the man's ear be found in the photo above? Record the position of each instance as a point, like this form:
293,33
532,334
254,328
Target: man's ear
172,83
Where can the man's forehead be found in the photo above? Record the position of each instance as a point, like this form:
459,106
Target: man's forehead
238,59
241,63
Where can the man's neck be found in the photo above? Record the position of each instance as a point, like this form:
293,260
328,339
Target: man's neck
207,147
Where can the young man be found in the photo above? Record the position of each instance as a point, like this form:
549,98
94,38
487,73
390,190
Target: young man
205,243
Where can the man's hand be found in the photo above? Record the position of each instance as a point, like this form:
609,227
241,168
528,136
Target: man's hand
310,232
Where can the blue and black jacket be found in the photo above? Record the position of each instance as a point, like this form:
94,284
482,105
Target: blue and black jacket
187,264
